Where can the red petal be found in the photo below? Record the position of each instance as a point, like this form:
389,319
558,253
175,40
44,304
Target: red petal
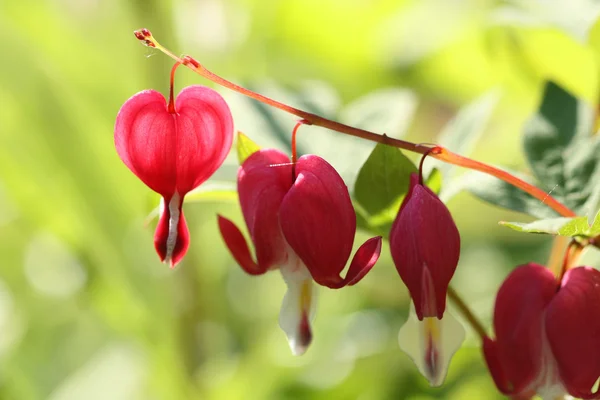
364,259
318,220
518,323
204,135
573,329
263,181
172,244
174,152
490,353
238,247
424,235
144,133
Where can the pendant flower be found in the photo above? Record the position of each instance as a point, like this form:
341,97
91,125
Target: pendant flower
547,334
425,247
305,226
173,149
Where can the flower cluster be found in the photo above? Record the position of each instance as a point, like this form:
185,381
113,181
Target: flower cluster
299,215
301,221
547,334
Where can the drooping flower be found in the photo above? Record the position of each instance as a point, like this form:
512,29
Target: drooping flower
173,149
425,247
547,334
304,225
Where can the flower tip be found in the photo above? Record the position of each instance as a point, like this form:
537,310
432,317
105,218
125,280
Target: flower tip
300,343
431,343
172,238
238,247
364,260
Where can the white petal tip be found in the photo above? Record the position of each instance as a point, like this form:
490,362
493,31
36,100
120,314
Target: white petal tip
431,343
297,312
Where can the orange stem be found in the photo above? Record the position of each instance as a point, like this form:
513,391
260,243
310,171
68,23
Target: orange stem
171,106
444,154
294,152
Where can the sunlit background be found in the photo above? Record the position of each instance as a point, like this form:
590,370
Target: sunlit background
86,309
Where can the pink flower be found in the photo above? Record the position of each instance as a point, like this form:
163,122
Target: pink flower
425,247
173,149
303,225
547,333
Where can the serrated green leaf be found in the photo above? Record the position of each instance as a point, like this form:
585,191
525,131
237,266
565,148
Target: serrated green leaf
381,185
550,226
245,147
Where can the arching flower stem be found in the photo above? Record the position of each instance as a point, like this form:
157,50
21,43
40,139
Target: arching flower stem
294,148
171,105
445,155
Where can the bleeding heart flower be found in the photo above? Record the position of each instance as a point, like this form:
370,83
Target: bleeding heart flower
425,247
304,225
547,334
173,149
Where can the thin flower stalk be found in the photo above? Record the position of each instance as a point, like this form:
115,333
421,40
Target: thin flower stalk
445,155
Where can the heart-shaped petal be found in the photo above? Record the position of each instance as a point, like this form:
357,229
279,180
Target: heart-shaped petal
318,220
263,181
174,152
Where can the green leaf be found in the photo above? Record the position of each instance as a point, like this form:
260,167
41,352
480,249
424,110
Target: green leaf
245,147
549,226
386,111
564,158
464,130
380,187
570,227
502,194
561,151
549,132
580,227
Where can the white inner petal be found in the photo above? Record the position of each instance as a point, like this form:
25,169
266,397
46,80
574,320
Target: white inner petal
431,343
548,384
299,304
173,223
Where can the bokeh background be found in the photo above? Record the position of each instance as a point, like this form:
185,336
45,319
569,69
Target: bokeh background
86,309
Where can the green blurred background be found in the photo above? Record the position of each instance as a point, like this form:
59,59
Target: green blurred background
86,309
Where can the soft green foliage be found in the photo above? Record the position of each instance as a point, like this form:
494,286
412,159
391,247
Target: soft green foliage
563,155
571,227
504,195
551,226
460,135
86,309
381,186
245,147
